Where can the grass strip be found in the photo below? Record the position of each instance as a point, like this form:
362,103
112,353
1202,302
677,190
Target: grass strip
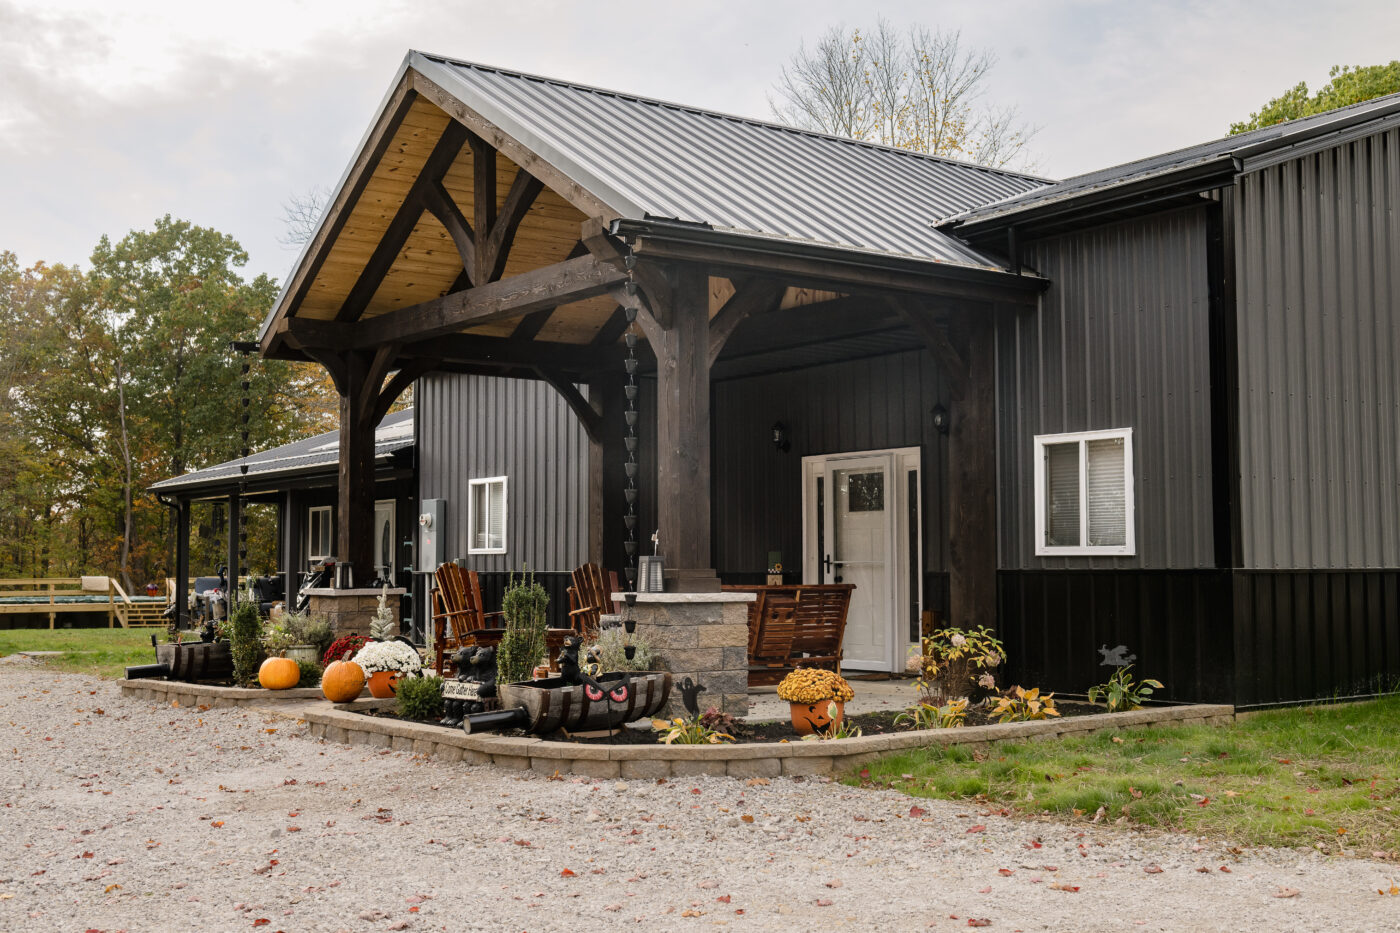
1322,776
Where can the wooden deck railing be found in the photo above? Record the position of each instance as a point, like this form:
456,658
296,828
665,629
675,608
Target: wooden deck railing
118,606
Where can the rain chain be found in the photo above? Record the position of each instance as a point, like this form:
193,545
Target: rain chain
630,390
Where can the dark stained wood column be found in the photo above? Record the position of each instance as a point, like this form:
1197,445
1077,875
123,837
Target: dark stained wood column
682,348
960,337
235,517
972,472
607,455
182,564
355,513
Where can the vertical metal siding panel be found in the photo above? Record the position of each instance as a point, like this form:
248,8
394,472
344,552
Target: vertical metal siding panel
1121,339
1319,380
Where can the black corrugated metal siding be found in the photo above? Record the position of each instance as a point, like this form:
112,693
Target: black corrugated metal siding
473,427
866,404
1318,258
1121,340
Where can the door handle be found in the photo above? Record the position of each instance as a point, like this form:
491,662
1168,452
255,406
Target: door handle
826,563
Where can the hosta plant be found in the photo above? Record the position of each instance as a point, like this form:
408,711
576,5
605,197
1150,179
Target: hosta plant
689,732
950,715
809,685
1122,692
1021,705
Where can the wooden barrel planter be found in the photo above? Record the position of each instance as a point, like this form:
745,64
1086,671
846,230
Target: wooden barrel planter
196,661
550,704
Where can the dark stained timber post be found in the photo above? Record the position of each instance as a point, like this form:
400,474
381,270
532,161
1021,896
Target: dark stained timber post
972,470
355,515
683,434
182,564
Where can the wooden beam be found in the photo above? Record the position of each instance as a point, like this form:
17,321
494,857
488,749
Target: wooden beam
591,420
846,276
558,181
971,478
396,235
408,373
934,335
483,196
612,330
301,333
338,210
546,287
750,297
500,353
653,285
439,202
519,199
647,321
531,325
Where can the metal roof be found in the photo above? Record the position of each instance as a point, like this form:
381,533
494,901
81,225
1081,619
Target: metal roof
1240,149
651,159
313,454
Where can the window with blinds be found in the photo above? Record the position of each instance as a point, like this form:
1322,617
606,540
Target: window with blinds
1084,493
487,516
319,545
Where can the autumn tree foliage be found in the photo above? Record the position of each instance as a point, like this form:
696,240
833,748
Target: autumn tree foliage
919,89
117,376
1348,85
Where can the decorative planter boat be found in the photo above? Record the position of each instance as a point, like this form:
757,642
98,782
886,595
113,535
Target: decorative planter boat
190,662
544,706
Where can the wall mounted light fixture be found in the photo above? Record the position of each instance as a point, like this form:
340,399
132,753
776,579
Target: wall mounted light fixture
940,418
780,437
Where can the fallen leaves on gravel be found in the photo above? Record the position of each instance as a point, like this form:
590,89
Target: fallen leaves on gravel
978,922
917,811
1286,892
979,828
1067,888
1153,869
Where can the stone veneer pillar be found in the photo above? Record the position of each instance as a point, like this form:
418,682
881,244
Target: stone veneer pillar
350,612
704,636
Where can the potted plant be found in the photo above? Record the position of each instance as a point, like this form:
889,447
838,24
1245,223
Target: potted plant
817,698
384,662
299,636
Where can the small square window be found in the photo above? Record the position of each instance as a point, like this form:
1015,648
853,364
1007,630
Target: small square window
487,518
319,545
1084,494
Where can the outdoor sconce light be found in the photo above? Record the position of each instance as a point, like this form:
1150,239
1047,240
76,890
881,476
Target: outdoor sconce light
940,419
780,437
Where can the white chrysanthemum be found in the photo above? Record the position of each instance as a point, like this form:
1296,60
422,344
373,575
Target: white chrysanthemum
388,656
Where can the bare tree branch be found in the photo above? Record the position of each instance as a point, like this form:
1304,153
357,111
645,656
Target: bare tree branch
919,90
300,214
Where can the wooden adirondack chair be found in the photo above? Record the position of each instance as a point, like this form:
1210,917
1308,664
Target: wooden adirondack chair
819,624
459,618
591,597
795,626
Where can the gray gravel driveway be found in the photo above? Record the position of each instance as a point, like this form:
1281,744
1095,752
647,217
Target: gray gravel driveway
127,815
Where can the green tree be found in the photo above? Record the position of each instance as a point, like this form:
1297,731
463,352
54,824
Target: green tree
1348,85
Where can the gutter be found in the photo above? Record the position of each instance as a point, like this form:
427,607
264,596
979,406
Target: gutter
702,235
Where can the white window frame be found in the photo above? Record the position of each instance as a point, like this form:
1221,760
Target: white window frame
1129,547
311,522
471,514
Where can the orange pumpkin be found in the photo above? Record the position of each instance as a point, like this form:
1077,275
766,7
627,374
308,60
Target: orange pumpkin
342,681
279,673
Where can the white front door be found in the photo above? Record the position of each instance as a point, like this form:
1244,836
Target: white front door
384,540
857,529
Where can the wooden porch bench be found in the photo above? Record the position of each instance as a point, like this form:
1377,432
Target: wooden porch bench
791,626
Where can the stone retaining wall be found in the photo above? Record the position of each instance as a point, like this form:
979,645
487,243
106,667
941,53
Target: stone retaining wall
759,759
211,695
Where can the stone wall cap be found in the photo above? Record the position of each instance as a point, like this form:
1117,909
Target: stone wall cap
357,591
726,596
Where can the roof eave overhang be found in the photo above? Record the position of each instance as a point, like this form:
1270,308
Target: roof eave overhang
1085,208
386,465
825,266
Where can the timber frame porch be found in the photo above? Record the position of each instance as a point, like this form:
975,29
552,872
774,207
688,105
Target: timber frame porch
460,241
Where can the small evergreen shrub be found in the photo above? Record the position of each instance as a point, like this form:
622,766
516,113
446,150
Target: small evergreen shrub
523,644
310,674
420,697
245,630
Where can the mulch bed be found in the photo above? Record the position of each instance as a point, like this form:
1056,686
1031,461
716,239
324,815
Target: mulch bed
776,731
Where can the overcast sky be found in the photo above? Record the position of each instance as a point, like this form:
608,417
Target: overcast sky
113,114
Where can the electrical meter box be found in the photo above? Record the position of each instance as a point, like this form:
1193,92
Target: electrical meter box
432,535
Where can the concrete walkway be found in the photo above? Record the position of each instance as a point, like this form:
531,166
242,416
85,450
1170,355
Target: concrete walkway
872,696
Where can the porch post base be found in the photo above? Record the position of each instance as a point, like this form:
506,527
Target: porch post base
703,637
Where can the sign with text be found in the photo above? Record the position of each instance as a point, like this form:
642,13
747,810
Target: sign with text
459,690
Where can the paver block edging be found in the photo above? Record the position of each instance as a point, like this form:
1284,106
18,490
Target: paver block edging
178,689
341,722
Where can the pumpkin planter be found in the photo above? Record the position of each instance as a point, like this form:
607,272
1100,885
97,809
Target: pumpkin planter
342,681
809,718
279,674
383,685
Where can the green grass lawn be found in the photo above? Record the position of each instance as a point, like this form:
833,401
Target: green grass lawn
103,652
1315,776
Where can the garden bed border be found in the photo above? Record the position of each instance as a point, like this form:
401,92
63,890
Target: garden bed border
213,695
346,723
